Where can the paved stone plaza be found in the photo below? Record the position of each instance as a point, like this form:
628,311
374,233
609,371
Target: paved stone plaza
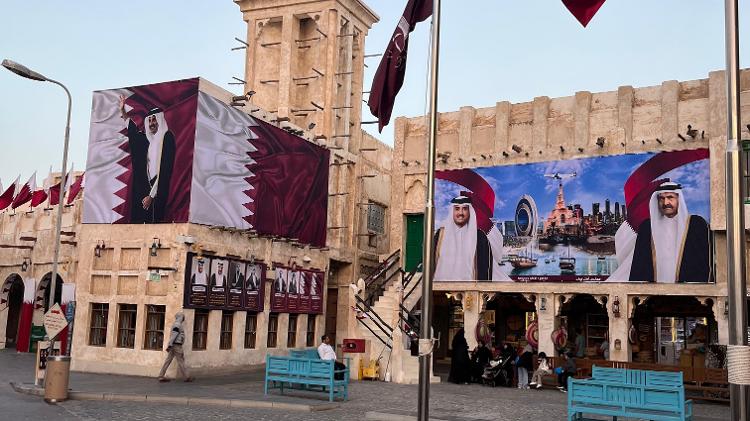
368,400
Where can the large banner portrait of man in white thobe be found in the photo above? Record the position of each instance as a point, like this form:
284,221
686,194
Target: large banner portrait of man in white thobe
672,245
462,251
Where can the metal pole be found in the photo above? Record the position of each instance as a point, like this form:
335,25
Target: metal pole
58,224
425,334
736,268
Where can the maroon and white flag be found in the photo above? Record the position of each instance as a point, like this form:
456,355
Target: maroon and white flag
250,174
38,197
25,192
7,197
75,188
54,191
583,10
390,74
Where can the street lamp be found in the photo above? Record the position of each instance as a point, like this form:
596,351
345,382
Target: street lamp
24,71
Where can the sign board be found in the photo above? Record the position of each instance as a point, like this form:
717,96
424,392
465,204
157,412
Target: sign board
55,321
42,353
354,346
154,275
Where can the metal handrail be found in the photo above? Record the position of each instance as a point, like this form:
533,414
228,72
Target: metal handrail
383,268
370,310
375,333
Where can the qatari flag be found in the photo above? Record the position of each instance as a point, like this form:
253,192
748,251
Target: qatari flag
583,10
250,174
7,197
24,194
390,74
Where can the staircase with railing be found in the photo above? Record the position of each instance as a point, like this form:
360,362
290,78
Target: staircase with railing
386,317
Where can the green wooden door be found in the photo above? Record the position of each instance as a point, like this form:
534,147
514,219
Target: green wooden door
414,239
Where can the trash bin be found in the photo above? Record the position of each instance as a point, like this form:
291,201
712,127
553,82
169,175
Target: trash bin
56,378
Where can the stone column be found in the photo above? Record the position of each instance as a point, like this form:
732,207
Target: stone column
546,320
722,320
618,329
471,306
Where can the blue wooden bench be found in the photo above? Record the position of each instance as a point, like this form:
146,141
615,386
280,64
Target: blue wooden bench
310,353
615,392
309,373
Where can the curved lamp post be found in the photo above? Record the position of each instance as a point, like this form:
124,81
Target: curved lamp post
24,71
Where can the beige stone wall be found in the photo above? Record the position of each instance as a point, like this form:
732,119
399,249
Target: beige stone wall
629,120
120,276
28,235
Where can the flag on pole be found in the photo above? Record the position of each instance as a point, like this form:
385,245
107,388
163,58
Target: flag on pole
390,74
7,197
38,197
54,191
75,188
25,192
583,10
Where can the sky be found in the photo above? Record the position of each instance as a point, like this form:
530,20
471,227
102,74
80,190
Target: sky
491,50
597,179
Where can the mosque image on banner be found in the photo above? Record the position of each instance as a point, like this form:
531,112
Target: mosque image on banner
624,218
169,152
223,283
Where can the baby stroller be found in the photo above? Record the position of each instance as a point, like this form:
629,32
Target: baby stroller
496,373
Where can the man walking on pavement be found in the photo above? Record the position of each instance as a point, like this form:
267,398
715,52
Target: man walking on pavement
174,349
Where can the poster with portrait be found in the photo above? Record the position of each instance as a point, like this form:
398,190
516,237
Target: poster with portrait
292,298
279,290
316,292
218,283
140,154
171,152
196,291
236,276
255,286
624,218
304,291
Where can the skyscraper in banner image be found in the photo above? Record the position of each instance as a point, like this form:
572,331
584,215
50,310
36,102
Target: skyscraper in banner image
169,152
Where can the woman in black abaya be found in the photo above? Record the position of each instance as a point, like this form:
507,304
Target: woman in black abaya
460,365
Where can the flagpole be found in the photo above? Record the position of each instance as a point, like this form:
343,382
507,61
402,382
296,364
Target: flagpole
425,334
735,195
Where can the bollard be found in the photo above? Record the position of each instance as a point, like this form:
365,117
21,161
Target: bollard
56,378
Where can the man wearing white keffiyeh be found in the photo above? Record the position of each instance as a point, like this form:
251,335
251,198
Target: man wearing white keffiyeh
462,251
671,246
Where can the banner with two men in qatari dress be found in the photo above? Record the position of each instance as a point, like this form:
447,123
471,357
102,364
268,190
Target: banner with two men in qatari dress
623,218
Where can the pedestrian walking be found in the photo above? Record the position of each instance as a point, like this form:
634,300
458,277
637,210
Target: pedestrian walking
174,350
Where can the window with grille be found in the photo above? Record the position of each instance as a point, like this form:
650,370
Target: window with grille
310,333
200,329
376,218
154,327
273,325
227,320
98,330
126,325
251,330
291,337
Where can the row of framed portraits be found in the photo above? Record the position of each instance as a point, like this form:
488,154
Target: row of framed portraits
223,283
297,291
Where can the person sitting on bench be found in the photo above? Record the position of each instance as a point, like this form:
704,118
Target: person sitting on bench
326,352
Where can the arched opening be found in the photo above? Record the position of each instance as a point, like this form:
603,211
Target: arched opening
587,322
43,291
673,330
12,297
508,317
